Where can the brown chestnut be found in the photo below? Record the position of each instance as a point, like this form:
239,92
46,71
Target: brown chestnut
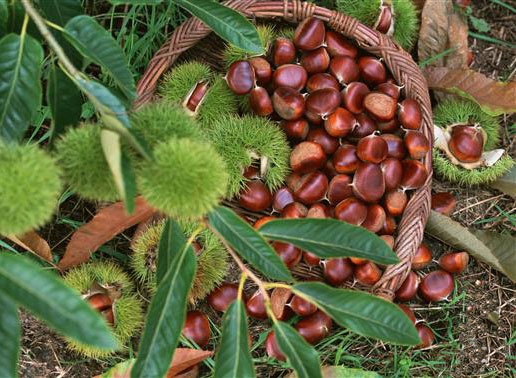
408,288
262,70
260,102
329,169
389,227
358,260
327,142
339,189
436,286
367,274
311,259
310,34
318,210
466,143
389,240
196,96
351,210
340,123
444,203
414,175
100,302
288,103
345,159
108,315
372,70
283,52
454,262
380,106
315,327
365,126
279,299
408,311
294,210
417,144
272,348
395,202
409,114
344,69
390,89
392,173
422,257
353,96
221,297
256,196
301,306
336,45
240,77
307,157
321,81
290,75
197,328
323,102
289,253
395,146
368,182
316,61
372,149
375,218
385,19
311,188
261,221
282,197
426,335
337,271
297,129
390,126
255,306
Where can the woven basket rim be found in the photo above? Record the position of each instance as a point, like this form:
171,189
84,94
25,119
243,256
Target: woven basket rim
405,71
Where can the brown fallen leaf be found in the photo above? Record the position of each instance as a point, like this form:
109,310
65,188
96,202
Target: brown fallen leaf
433,33
458,41
507,183
493,97
193,372
105,225
32,242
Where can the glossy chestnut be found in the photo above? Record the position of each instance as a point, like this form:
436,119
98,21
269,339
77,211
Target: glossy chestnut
256,196
323,102
444,203
290,75
311,259
311,188
351,210
389,240
197,328
375,218
367,274
386,127
100,302
389,227
339,189
318,210
353,96
372,149
289,253
262,70
384,23
288,103
408,288
283,52
408,311
368,182
316,61
466,143
240,77
436,286
426,335
336,45
417,144
390,89
337,271
296,130
301,306
309,34
380,106
221,297
395,202
327,142
307,157
272,348
372,70
294,210
422,257
108,315
414,175
409,114
321,81
329,169
395,146
455,262
261,221
344,69
255,306
315,327
260,102
345,159
392,173
196,96
365,126
340,123
281,198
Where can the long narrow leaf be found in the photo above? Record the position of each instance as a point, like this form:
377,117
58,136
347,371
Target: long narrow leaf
166,316
361,312
233,359
248,243
46,296
10,336
330,238
302,356
171,243
226,23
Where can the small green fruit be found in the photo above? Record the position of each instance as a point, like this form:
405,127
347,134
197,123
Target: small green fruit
29,188
187,178
80,155
233,53
242,141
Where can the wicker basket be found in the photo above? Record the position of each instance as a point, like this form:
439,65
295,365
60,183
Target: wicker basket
405,71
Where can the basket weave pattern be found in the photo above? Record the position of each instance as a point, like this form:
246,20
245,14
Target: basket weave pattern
403,68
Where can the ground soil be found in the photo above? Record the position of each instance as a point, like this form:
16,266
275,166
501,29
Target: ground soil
481,323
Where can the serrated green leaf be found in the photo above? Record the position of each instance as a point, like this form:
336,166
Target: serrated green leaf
328,238
20,84
64,99
4,14
46,296
10,336
248,243
233,359
94,42
166,317
300,355
361,312
120,167
226,23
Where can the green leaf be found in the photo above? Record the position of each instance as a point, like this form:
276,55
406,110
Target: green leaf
480,24
64,99
171,243
507,183
233,359
362,313
120,167
94,42
329,238
10,336
343,372
226,23
120,370
46,296
20,84
136,2
494,249
3,17
248,243
300,355
166,316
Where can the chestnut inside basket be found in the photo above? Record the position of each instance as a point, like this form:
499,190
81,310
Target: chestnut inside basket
403,68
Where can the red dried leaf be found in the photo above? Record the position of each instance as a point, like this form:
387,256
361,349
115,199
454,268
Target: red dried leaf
193,372
31,241
105,225
493,97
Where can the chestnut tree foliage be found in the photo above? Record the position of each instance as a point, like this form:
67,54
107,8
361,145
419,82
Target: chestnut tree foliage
74,40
